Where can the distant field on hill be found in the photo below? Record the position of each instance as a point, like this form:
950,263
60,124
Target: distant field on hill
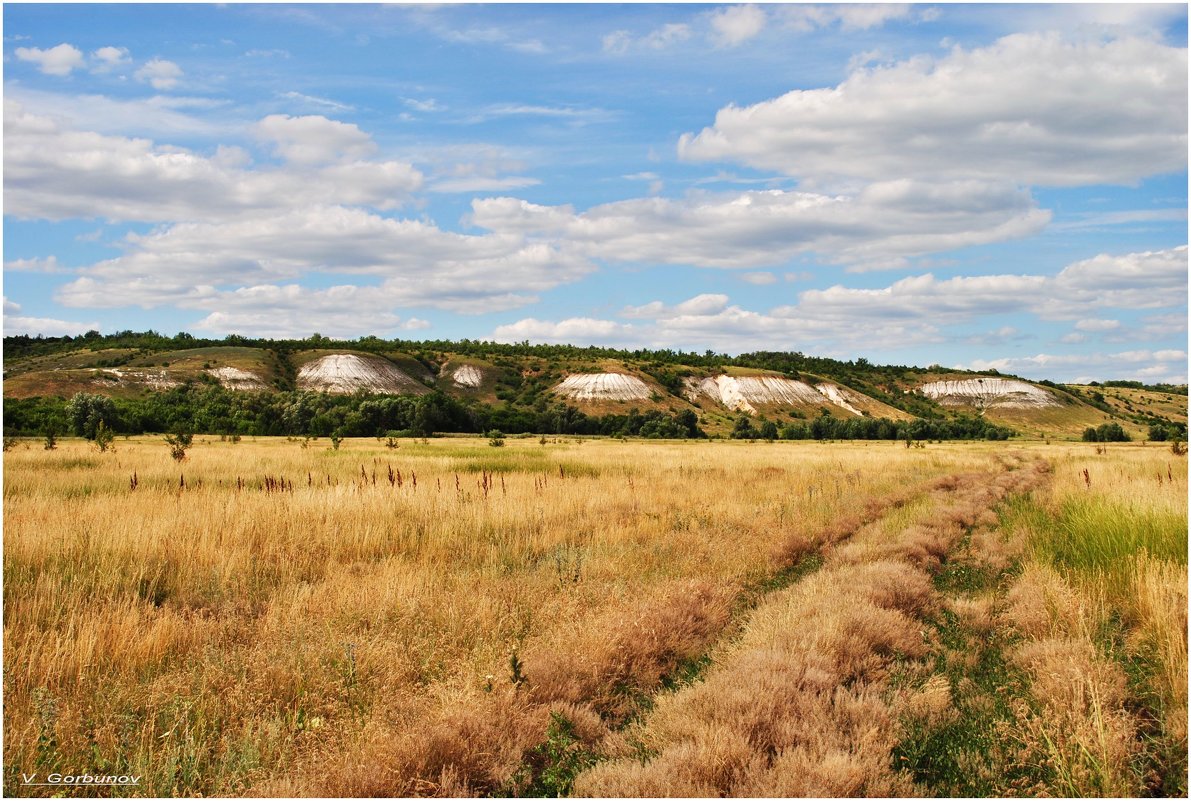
1139,404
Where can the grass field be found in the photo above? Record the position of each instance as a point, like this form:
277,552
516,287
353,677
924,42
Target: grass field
565,616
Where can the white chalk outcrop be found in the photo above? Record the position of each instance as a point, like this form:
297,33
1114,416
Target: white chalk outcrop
844,398
344,373
467,376
604,386
741,394
235,378
987,393
155,380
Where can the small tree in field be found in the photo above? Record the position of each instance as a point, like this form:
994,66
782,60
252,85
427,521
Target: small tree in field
104,437
178,443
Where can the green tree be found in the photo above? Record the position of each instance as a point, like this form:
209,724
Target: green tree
86,412
689,421
743,428
1112,432
179,442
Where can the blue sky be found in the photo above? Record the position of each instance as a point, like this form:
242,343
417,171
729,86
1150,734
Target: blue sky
974,186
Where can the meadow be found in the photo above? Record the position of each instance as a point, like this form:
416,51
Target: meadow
280,617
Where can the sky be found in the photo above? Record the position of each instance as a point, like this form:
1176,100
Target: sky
983,187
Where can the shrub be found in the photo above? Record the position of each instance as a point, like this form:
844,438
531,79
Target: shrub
178,443
550,768
1112,432
103,437
1108,432
495,438
743,428
795,431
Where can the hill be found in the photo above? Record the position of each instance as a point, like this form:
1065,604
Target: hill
321,386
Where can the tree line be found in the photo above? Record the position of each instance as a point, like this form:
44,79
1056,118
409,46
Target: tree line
871,428
211,409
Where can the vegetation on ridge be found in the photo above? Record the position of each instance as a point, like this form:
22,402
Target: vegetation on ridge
157,383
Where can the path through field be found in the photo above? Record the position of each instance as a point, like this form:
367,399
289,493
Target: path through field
810,697
562,616
802,684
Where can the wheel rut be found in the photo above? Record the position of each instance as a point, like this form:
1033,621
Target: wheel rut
799,696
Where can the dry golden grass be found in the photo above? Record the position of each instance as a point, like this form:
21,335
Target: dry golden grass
348,635
800,704
1078,727
1104,592
268,619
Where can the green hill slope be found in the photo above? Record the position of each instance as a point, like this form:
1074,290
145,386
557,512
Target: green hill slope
546,388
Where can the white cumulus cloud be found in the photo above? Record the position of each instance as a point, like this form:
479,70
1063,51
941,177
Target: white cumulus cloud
585,330
873,228
60,60
912,311
805,18
56,173
1152,366
315,139
1096,112
291,310
107,59
1097,326
196,265
47,265
15,324
734,25
159,73
661,38
1146,280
